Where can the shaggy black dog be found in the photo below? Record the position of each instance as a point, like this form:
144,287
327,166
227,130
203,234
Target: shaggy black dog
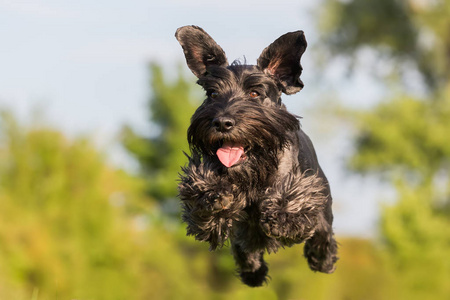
253,175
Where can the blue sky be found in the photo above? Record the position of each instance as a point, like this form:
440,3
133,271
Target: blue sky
84,63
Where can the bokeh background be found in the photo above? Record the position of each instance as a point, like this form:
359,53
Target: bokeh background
95,100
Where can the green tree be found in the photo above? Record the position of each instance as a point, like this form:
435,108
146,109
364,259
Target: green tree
411,35
160,155
65,229
405,137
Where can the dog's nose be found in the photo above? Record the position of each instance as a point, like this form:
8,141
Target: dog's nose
223,124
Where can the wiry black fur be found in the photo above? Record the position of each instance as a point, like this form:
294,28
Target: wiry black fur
277,195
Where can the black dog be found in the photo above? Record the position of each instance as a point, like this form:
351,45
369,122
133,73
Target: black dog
253,175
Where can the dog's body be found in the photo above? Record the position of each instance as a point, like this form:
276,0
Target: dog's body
253,175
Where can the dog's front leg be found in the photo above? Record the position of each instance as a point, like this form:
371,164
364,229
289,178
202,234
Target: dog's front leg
208,203
291,208
207,216
321,249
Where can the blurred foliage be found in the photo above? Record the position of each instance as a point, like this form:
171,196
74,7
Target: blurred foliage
410,35
405,134
161,154
417,237
405,138
407,141
66,227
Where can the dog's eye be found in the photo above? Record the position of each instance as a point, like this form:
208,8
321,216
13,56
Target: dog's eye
213,94
253,94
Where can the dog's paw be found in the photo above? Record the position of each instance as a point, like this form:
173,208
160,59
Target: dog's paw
285,225
212,203
221,202
256,278
272,227
210,218
321,252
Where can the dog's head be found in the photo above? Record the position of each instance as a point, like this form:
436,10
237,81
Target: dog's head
242,119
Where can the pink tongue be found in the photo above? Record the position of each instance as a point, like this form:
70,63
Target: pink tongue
229,154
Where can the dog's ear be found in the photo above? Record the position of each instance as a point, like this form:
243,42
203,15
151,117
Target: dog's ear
281,60
200,49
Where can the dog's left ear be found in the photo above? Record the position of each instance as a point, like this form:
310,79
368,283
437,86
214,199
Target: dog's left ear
281,60
200,49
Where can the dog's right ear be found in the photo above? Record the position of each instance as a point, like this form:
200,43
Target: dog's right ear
200,49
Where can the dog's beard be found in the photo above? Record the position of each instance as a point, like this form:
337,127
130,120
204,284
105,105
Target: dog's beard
249,153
